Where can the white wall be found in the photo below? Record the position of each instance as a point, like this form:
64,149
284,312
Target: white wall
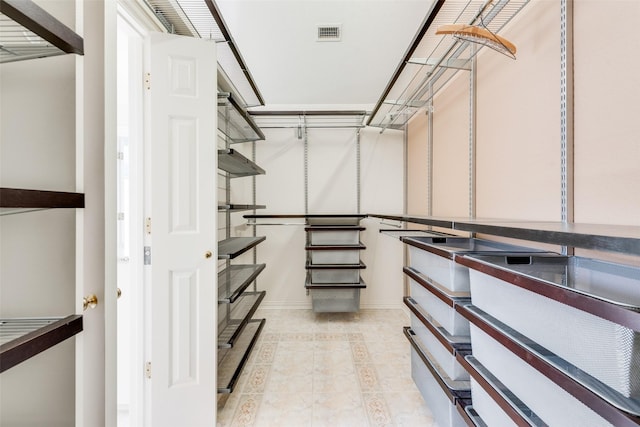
332,189
37,252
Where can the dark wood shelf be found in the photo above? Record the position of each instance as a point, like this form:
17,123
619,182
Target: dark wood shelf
19,198
234,207
21,339
236,246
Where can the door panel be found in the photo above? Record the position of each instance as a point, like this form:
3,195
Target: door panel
182,100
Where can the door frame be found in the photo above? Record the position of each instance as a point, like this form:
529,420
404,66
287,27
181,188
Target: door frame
142,21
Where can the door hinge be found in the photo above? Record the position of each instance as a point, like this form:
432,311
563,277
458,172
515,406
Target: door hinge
147,81
147,225
147,255
147,370
120,216
120,155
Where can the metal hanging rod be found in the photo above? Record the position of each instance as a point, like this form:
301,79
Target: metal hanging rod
311,119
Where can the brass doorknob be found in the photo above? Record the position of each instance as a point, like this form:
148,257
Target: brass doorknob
89,302
208,254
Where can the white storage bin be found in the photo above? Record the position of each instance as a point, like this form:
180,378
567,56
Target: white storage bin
444,411
453,322
335,300
487,408
434,257
334,236
603,349
337,256
334,220
335,275
549,401
440,353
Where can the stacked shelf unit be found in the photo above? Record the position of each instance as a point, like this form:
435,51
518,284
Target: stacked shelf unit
28,32
541,338
333,262
237,300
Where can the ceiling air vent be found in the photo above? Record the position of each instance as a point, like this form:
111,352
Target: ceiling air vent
329,33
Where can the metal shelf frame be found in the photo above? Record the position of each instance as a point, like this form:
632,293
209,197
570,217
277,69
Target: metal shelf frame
237,165
27,31
233,280
433,60
235,122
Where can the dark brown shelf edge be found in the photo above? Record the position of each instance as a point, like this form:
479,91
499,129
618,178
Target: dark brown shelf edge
243,322
452,395
322,228
238,207
591,399
228,388
600,308
451,347
359,266
241,288
245,115
43,199
493,393
33,17
35,342
435,222
306,216
347,247
360,285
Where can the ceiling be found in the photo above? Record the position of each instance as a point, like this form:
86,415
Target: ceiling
278,41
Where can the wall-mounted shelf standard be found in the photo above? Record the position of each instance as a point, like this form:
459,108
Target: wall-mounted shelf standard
234,246
21,339
237,165
432,60
231,361
234,121
27,31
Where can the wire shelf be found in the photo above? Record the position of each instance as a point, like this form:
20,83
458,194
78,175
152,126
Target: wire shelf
433,60
309,119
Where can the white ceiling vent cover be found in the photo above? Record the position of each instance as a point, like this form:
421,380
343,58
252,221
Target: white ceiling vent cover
329,33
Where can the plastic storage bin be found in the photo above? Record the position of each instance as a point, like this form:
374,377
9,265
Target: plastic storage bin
442,356
424,292
439,397
605,350
335,256
327,235
549,401
434,257
335,300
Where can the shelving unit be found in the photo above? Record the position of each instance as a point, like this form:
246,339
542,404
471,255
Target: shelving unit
27,32
237,302
530,274
333,262
433,60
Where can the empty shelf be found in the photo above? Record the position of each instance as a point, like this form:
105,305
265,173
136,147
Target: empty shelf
234,207
234,121
27,31
23,338
345,247
17,200
233,280
237,165
239,314
231,361
235,246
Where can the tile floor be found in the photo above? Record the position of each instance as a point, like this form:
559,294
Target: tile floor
327,369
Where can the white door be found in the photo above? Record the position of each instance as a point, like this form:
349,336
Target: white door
182,98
